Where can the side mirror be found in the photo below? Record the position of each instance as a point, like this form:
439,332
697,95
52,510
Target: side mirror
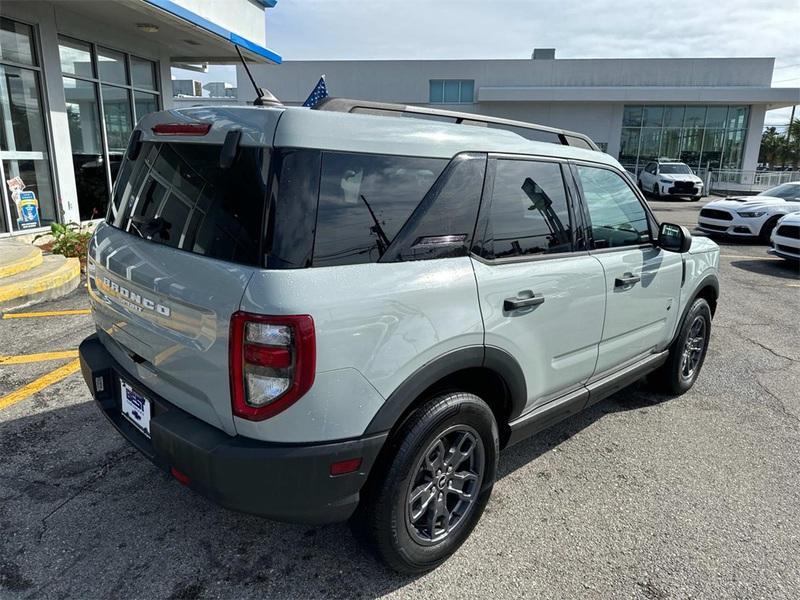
674,237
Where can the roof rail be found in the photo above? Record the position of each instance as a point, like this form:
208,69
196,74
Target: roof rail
530,131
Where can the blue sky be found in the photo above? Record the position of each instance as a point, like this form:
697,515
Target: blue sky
364,29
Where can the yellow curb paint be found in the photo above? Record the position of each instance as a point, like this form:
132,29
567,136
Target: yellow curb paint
32,259
48,313
38,385
21,359
67,271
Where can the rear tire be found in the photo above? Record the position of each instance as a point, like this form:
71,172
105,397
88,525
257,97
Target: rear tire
687,353
424,500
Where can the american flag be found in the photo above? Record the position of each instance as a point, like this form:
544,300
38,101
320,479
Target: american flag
319,92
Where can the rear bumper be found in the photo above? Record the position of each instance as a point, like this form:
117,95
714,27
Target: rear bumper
286,482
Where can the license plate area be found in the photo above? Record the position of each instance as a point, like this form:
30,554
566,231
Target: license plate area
135,407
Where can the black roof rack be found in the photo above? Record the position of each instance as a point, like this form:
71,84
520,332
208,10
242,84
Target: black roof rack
529,131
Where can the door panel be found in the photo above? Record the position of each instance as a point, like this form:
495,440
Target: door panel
639,316
555,342
540,301
642,281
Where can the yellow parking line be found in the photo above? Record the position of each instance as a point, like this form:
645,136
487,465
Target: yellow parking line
49,313
21,359
38,385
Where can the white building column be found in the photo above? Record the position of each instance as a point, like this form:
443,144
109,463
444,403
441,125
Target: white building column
752,140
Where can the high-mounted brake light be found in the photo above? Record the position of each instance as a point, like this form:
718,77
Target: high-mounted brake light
181,128
272,363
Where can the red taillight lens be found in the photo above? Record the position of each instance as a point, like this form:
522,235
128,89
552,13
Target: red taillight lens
181,128
272,363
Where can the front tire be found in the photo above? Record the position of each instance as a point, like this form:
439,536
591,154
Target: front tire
656,191
766,230
687,353
425,500
696,198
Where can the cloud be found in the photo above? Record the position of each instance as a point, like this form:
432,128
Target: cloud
320,29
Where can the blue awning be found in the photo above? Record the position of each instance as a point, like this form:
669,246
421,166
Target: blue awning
214,29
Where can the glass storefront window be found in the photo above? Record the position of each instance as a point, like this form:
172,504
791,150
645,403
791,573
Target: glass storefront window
23,121
16,43
715,117
100,90
700,136
23,133
632,116
673,116
76,58
695,117
36,175
143,73
111,66
652,116
734,146
144,103
737,117
629,147
83,116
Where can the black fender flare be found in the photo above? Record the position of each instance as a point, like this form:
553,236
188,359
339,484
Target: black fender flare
495,359
710,280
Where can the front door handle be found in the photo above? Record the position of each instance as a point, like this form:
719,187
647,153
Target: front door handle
626,279
510,304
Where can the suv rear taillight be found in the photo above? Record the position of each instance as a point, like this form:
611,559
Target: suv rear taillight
272,362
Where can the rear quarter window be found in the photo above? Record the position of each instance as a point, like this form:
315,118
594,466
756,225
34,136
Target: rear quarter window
176,194
364,201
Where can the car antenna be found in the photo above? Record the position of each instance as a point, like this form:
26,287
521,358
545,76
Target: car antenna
263,96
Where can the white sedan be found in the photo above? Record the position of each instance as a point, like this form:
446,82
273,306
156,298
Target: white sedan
750,216
786,237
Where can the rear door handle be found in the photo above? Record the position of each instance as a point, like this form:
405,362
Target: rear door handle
516,303
626,279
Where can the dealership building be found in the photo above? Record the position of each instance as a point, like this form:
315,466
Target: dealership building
703,111
76,75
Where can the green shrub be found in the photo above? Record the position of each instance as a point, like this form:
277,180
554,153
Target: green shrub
69,240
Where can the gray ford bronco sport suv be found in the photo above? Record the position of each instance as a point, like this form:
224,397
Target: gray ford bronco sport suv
345,313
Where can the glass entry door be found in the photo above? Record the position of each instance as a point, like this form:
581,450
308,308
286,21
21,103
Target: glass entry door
27,184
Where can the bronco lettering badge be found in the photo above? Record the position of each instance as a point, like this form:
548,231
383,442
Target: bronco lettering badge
134,300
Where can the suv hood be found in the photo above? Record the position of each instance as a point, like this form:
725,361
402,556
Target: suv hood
680,177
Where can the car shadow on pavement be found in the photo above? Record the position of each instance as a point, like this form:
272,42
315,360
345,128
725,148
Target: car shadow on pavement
84,515
783,269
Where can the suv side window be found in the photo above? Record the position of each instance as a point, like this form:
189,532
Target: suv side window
443,223
616,215
364,200
529,212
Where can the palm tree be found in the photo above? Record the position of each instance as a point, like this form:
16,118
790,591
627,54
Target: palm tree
771,146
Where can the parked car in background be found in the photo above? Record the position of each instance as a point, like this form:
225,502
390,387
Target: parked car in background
750,216
670,179
786,237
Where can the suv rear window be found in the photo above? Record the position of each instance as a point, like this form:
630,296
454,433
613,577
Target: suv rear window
177,194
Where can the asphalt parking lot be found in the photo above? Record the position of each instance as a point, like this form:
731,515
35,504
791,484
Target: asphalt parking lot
639,497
